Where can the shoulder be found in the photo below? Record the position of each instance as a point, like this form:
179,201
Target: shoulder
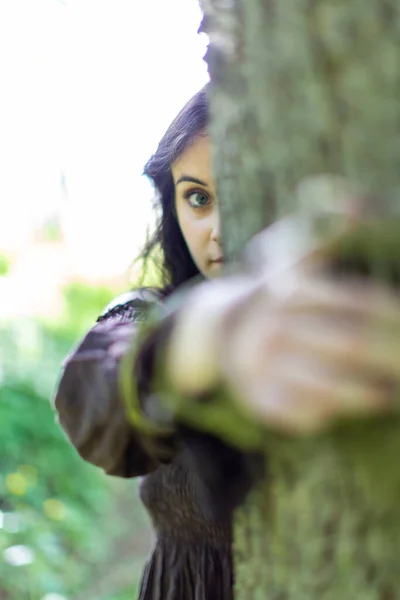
131,306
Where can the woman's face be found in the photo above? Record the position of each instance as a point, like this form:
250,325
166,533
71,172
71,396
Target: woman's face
196,206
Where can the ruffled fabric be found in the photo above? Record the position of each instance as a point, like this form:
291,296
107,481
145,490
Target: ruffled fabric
182,570
190,487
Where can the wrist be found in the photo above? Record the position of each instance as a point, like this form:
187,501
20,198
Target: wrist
191,354
196,342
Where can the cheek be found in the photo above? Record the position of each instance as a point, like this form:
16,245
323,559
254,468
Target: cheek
195,233
192,232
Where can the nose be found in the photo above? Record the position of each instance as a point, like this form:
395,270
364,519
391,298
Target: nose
216,227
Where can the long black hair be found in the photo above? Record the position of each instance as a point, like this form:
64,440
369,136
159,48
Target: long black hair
177,265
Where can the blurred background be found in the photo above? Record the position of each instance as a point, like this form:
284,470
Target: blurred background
87,88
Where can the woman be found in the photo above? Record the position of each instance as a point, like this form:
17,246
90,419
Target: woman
291,356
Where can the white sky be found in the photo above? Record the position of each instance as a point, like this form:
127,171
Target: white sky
87,87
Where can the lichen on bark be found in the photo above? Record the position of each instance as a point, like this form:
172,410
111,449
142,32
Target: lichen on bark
300,88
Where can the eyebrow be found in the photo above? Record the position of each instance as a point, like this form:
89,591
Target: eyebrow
191,180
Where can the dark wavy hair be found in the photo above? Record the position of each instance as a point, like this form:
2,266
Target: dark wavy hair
177,265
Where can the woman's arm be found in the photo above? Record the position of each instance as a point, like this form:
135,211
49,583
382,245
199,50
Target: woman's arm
88,398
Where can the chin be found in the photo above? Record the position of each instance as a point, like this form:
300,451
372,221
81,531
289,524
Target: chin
214,269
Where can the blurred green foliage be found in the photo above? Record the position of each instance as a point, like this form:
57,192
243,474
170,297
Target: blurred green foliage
5,264
65,528
51,230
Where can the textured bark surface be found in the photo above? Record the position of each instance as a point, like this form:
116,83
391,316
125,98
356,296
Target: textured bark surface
327,524
302,87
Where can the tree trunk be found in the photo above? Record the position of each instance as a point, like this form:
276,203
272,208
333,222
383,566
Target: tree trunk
299,88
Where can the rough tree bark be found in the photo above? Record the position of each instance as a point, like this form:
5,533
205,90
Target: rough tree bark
302,87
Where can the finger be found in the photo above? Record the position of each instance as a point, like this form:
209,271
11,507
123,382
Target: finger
272,404
373,303
365,348
305,398
349,341
331,389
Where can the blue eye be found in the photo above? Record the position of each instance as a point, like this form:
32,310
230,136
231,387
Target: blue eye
197,199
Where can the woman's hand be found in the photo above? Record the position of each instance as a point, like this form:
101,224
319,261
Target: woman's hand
327,349
298,348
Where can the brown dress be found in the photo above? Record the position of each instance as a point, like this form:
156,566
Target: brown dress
190,489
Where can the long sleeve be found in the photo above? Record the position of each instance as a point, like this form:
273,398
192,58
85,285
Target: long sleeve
88,401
